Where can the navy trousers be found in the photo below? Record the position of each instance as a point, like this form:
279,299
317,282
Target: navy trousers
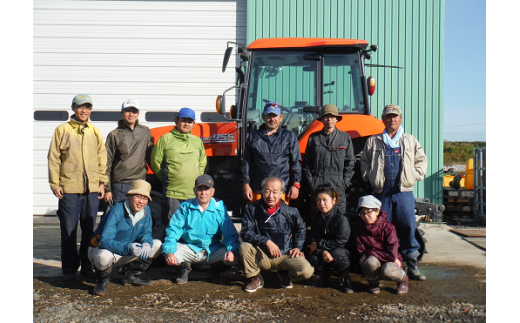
74,208
399,206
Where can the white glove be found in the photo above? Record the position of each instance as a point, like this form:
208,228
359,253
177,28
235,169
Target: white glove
145,251
135,249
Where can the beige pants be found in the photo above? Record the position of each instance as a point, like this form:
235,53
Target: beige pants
373,270
255,260
103,258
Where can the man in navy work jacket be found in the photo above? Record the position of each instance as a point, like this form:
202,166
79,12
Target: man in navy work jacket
124,236
195,232
271,151
273,234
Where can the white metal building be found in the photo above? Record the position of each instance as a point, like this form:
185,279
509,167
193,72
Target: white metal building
165,54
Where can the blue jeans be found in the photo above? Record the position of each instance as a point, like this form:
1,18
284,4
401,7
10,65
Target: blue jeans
71,208
119,191
400,210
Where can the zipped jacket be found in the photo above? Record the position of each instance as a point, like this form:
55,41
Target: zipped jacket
127,153
177,160
378,239
413,165
273,155
117,231
331,233
77,158
329,163
285,227
201,230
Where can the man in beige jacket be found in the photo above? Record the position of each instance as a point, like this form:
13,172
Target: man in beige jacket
77,164
392,162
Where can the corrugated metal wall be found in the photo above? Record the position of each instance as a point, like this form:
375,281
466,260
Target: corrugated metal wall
410,34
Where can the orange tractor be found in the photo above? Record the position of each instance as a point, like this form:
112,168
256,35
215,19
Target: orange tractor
301,74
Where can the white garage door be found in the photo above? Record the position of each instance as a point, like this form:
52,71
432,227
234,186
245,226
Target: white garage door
165,54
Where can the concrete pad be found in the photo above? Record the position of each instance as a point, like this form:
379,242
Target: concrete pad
479,242
446,247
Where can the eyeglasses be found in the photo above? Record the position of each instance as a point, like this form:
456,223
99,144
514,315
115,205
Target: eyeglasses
84,107
367,211
327,186
141,198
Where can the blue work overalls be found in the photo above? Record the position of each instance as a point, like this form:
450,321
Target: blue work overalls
399,206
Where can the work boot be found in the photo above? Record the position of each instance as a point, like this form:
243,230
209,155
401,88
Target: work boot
402,285
373,287
325,277
346,282
185,272
86,271
413,271
285,279
134,269
215,270
103,278
255,283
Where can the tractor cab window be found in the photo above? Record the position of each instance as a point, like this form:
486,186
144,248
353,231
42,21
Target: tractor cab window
342,82
288,79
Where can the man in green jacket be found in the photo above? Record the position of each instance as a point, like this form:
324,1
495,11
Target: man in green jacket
128,149
177,160
77,164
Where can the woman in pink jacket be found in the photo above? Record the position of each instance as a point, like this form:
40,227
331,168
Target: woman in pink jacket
377,244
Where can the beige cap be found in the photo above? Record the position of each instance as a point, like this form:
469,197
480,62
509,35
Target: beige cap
141,187
330,109
391,108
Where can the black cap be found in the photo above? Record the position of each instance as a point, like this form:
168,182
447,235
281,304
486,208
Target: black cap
205,180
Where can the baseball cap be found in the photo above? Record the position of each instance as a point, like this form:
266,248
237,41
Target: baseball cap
140,187
186,113
368,201
130,103
81,99
272,107
205,180
391,108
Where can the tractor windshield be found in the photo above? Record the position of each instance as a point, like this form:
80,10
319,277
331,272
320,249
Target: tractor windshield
291,77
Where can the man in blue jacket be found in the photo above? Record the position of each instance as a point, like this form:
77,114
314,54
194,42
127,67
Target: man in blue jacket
271,151
194,233
273,234
124,236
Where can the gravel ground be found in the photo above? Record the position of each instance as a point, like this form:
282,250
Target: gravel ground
451,294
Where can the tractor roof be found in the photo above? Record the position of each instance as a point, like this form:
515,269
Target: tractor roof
270,43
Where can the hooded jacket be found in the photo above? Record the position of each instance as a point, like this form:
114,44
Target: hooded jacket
201,230
117,231
332,163
378,239
273,155
177,160
331,233
77,158
285,227
414,162
127,153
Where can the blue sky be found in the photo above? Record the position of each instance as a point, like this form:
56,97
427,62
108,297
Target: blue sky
465,70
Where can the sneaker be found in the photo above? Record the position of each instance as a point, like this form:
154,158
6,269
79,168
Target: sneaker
373,288
255,283
285,280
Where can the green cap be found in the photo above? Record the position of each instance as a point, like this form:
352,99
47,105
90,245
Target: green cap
82,99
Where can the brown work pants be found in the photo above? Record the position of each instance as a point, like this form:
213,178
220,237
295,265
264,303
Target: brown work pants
255,259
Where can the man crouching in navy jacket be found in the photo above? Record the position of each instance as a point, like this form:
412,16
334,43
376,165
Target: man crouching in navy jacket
273,234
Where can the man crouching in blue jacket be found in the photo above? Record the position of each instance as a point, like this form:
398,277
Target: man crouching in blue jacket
195,231
124,236
273,234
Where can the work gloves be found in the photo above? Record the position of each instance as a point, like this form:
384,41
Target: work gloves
145,251
135,249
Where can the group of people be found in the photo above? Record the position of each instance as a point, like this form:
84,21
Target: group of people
83,170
